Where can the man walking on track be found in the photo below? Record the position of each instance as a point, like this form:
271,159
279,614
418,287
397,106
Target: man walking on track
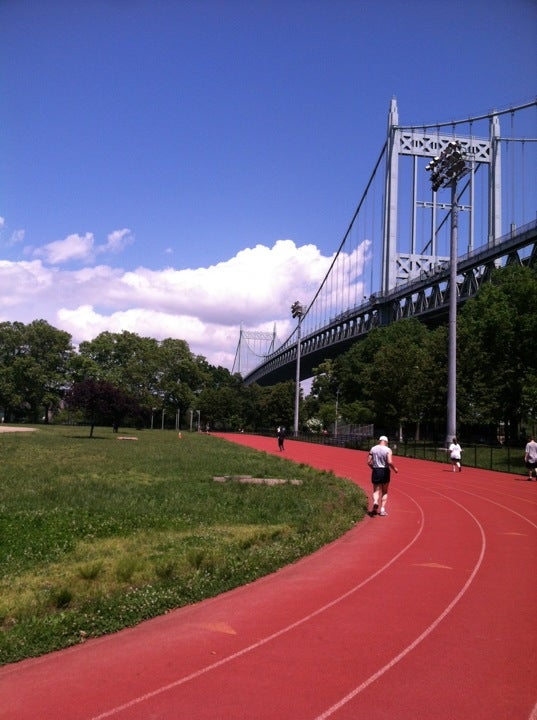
380,461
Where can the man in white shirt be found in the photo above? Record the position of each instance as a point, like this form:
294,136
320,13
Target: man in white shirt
380,461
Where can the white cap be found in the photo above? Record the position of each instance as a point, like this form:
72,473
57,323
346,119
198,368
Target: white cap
383,438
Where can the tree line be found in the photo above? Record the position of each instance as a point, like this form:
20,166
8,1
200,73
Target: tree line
123,378
395,378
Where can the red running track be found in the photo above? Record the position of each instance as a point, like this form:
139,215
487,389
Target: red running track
428,613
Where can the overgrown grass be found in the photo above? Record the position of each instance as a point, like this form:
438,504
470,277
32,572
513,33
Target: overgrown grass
99,534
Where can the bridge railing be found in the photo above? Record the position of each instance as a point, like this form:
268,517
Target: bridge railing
501,244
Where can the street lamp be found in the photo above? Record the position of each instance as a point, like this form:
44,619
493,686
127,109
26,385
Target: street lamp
297,311
446,169
337,411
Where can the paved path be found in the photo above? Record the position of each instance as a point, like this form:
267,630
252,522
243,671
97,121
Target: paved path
426,614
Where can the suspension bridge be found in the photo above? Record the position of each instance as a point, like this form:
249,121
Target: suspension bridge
394,259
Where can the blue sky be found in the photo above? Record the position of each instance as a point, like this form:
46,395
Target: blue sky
178,168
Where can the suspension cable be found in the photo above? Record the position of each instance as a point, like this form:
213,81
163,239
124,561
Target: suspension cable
493,113
350,225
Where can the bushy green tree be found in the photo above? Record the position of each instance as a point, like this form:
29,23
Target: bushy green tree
496,349
276,405
127,361
11,344
385,378
34,361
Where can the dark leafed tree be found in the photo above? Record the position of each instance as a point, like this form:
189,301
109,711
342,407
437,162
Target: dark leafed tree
101,403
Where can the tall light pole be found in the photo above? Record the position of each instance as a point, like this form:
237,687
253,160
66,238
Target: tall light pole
297,311
446,170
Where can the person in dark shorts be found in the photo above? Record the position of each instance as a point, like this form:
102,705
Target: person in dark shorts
380,461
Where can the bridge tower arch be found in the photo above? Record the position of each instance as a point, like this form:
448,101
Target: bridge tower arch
427,142
253,346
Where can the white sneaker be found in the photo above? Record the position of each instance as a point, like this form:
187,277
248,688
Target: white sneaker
383,512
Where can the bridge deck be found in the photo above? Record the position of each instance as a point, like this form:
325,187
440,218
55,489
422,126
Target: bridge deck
425,298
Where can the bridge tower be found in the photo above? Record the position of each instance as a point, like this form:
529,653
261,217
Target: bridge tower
253,347
428,142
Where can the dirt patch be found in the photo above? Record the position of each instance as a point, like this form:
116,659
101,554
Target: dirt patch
10,428
254,480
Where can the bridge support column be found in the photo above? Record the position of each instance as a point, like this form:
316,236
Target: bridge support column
495,182
389,247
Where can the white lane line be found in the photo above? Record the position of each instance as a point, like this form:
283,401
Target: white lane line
482,498
331,710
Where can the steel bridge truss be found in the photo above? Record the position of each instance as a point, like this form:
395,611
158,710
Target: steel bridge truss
426,298
399,266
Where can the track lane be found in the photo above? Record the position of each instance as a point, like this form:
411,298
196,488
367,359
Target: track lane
312,663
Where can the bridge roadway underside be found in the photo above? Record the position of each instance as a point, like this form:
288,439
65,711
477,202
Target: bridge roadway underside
426,299
338,341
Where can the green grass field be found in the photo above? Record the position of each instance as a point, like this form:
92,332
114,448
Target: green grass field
98,534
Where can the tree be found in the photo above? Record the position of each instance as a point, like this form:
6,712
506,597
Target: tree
277,405
34,361
101,402
382,379
394,381
11,342
163,375
251,416
178,377
127,361
496,349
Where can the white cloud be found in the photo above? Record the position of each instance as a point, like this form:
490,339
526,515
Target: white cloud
21,283
82,248
73,247
117,241
204,306
16,238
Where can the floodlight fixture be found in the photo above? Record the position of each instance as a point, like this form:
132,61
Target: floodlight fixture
297,310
